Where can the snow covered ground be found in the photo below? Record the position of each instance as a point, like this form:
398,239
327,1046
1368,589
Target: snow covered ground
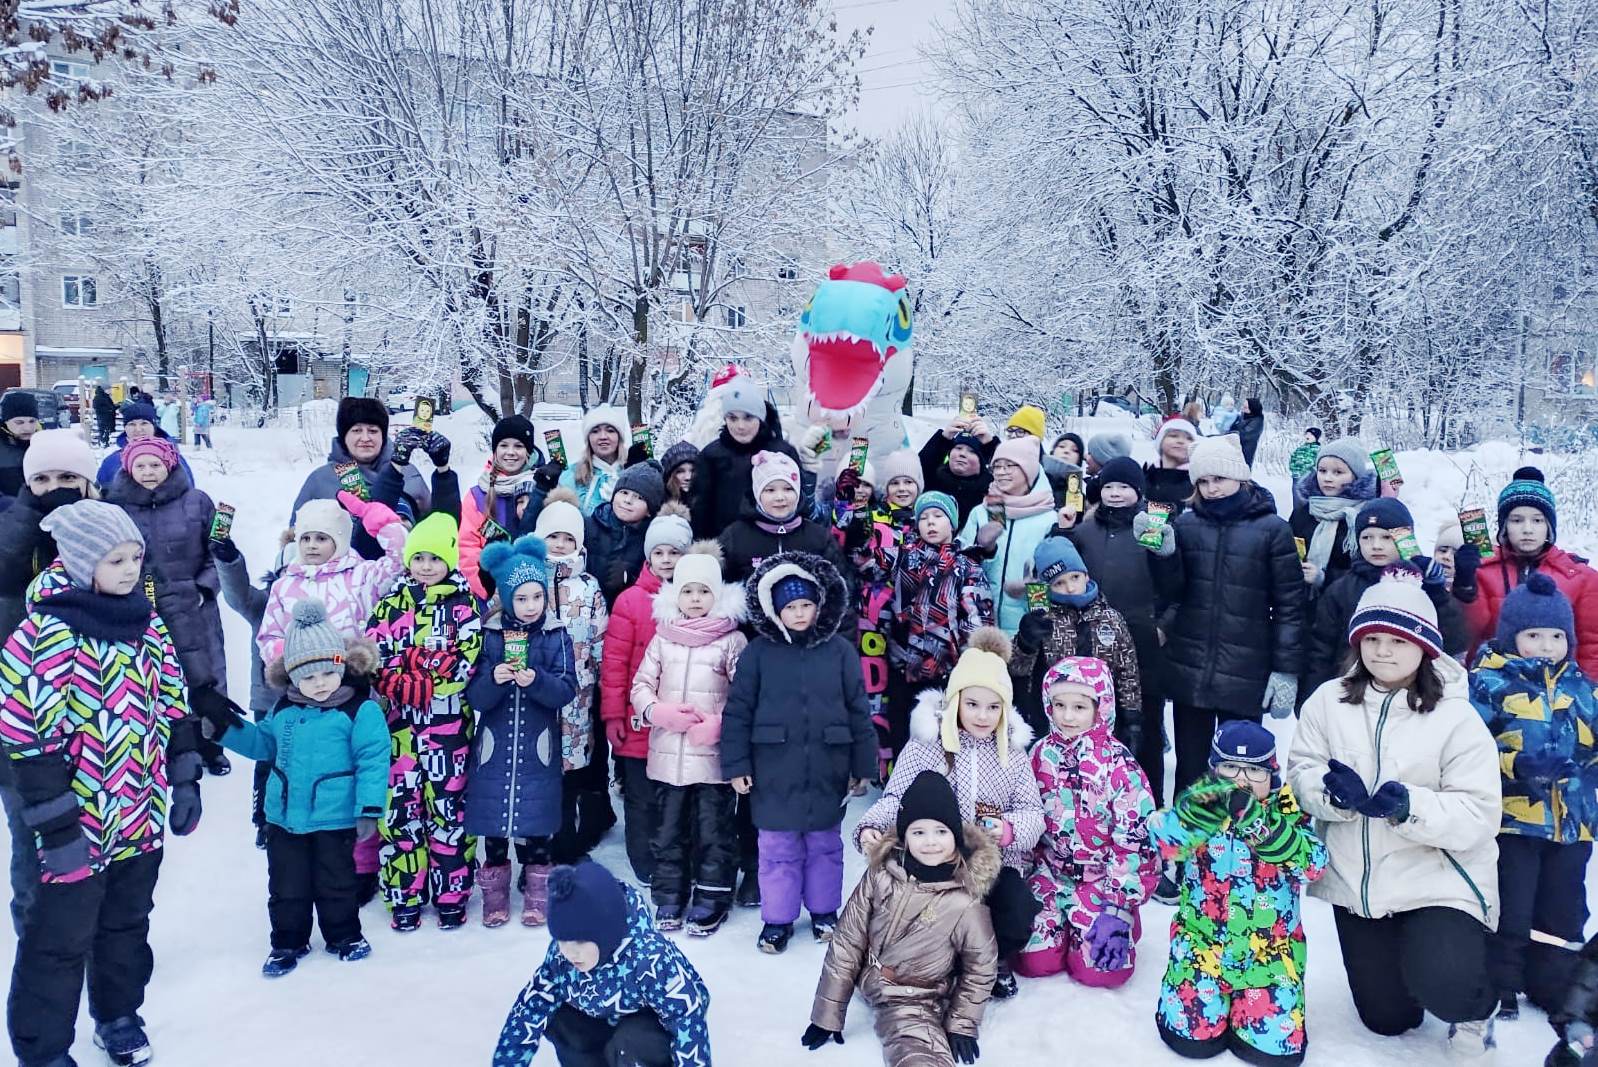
431,997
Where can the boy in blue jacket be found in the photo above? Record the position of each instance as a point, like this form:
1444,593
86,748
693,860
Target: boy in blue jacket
327,740
612,988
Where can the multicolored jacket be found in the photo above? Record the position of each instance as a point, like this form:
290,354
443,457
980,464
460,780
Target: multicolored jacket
96,719
1097,630
1532,705
349,585
1237,941
871,541
427,640
940,598
646,973
582,609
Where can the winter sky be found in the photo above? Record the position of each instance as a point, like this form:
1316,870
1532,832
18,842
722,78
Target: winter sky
895,75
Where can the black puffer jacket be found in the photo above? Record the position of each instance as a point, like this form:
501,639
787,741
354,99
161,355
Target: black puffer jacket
1238,612
1250,428
11,453
1328,642
1124,569
967,491
175,519
721,484
615,550
25,549
745,545
797,720
1304,523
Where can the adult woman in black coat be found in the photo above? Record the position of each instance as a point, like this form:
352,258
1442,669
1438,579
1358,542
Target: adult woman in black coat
1250,428
1235,632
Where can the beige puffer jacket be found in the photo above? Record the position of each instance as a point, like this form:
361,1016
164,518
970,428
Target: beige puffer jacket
690,661
1446,853
920,953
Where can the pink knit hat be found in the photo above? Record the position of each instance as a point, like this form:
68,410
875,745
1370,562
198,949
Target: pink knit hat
1023,452
159,447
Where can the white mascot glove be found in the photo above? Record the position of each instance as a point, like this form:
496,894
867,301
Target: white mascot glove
809,445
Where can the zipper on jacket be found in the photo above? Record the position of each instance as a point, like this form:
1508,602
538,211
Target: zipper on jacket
1215,577
1555,803
1365,824
515,757
682,746
1481,901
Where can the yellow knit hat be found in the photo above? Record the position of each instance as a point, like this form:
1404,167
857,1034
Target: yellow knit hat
985,663
1030,418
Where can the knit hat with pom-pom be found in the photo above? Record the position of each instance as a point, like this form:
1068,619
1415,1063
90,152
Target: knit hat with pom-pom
1397,605
1528,490
1535,604
311,645
514,565
586,903
985,663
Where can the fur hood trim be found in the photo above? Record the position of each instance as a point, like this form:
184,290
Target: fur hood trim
730,603
926,723
679,509
360,661
977,872
561,495
834,597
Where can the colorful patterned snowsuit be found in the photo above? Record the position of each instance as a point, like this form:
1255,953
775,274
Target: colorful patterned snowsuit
1095,855
1236,972
427,640
582,609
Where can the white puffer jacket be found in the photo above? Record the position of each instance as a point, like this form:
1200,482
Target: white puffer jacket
1446,853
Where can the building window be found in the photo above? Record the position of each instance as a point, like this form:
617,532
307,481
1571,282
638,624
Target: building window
10,291
788,272
79,291
273,305
75,155
76,223
737,318
69,68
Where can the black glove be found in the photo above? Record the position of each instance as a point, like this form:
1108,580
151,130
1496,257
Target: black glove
365,828
183,808
1467,561
1034,630
816,1036
225,550
638,453
964,1048
1130,733
216,710
406,442
548,476
436,445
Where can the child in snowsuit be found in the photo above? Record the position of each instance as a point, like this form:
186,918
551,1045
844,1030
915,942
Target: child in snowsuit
796,737
679,693
1235,979
1077,622
99,781
585,797
525,676
632,627
939,597
428,634
1542,708
969,734
1094,864
328,746
929,980
611,989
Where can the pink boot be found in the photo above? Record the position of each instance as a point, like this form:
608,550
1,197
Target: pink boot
535,894
495,884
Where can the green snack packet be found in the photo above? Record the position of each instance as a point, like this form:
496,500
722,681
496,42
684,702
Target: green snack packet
492,531
422,414
222,522
1387,467
557,447
858,448
1159,518
351,480
516,649
1037,595
1303,460
149,588
825,444
643,435
1474,522
1408,547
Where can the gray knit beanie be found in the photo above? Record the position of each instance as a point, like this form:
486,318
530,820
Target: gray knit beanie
311,645
1107,446
85,532
645,480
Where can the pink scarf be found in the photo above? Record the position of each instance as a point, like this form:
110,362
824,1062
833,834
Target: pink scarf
696,633
1036,502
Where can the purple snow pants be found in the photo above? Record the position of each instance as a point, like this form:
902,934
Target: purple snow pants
800,868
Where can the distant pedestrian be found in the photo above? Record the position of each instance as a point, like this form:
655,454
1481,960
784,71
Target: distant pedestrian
204,410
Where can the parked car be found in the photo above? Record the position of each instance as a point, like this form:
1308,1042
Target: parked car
50,411
67,392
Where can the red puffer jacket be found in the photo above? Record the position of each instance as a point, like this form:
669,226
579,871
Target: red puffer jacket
632,626
1571,574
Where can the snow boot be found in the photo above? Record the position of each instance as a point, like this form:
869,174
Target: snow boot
535,894
822,925
123,1040
283,960
406,918
748,895
774,938
1471,1040
1169,891
350,951
451,916
1508,1007
706,917
495,884
668,918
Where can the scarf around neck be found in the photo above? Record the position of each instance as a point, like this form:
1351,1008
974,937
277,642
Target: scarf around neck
336,699
1076,600
495,481
696,633
1327,511
100,615
1035,501
776,526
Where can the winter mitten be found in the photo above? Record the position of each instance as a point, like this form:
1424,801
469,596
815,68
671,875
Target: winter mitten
225,550
1281,693
216,710
1246,812
1344,787
374,516
183,808
964,1048
365,828
844,489
1467,561
705,733
440,663
809,447
1432,575
816,1036
674,717
406,442
1390,801
1035,628
548,476
1109,942
1202,805
409,689
1167,548
988,533
67,858
1544,768
437,447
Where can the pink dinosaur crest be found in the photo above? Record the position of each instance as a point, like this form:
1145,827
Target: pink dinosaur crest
867,271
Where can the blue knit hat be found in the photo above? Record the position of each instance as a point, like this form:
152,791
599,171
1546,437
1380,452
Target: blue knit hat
1383,513
1245,741
1535,604
512,566
794,587
1528,491
586,903
940,501
137,410
1055,556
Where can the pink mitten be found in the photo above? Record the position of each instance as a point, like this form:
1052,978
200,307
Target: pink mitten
373,515
706,733
674,717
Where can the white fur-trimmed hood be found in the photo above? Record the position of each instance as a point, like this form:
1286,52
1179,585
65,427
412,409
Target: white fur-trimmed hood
926,722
